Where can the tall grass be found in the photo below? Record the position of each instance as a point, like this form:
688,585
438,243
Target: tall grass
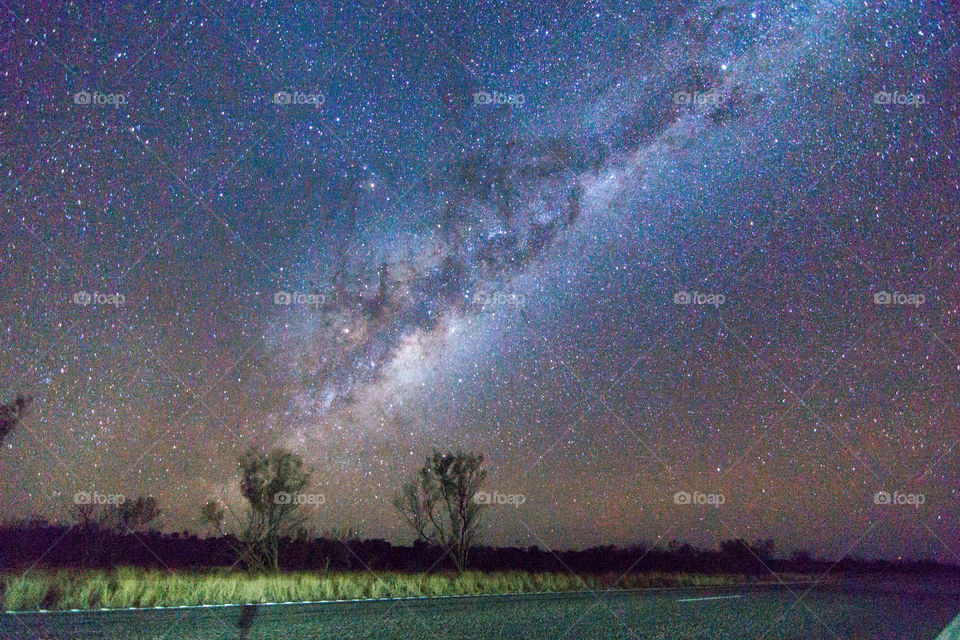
129,587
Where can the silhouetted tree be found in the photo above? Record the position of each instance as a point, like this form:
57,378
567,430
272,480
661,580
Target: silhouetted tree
764,549
271,485
439,505
99,523
213,514
132,515
86,515
801,558
11,414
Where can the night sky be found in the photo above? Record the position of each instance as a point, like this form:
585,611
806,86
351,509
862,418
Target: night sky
488,216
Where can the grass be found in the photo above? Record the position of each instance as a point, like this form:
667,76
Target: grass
129,587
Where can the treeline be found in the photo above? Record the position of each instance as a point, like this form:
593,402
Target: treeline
442,503
55,546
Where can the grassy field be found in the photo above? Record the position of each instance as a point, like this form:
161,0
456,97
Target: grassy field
127,587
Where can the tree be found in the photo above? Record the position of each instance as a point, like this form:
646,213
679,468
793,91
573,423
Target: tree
764,549
439,505
271,484
213,514
86,516
97,522
132,515
801,557
122,517
11,414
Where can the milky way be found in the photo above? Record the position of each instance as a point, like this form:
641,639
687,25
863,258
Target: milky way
624,250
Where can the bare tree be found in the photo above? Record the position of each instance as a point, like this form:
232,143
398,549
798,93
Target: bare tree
96,522
86,515
271,485
88,518
438,503
12,413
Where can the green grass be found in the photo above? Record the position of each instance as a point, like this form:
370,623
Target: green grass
128,587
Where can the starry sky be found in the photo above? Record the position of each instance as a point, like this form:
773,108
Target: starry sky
623,249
